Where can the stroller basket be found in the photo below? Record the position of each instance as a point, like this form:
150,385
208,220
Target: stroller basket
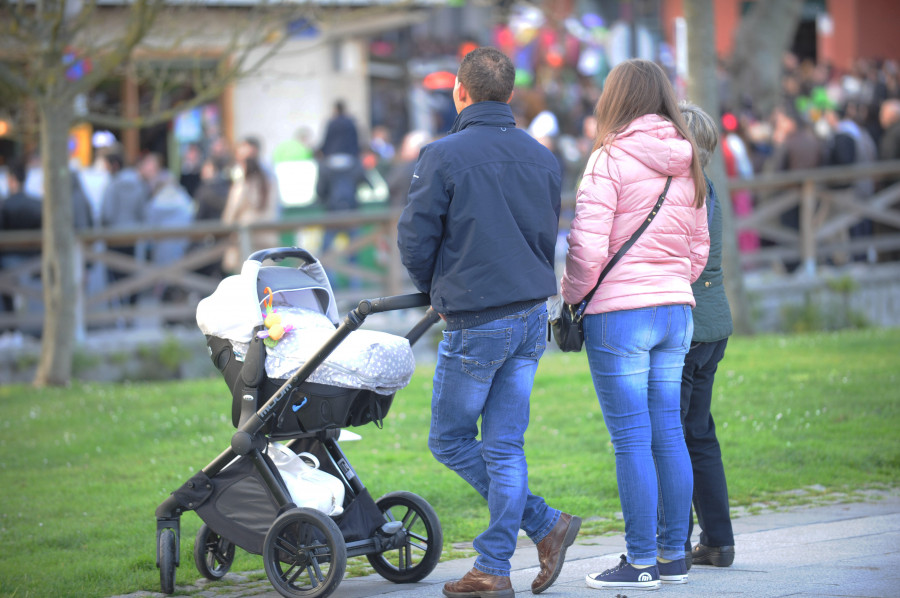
309,407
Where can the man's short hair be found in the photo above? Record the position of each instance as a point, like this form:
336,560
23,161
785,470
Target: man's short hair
488,75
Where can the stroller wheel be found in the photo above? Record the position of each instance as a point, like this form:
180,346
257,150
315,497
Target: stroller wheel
166,553
304,554
420,552
213,554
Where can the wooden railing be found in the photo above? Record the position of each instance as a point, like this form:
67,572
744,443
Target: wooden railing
826,210
198,272
368,263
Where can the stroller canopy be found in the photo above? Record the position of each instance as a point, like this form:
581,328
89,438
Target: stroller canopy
234,310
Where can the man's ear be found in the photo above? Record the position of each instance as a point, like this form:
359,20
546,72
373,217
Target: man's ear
462,93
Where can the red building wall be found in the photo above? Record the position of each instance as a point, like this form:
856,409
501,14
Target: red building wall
727,16
860,28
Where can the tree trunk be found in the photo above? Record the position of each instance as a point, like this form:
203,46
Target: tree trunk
763,36
58,252
703,90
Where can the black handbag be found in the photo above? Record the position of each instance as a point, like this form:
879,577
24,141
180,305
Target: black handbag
567,330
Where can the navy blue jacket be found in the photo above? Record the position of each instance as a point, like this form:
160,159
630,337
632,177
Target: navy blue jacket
479,230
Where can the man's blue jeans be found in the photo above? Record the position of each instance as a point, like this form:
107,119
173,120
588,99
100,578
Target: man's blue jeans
487,371
636,357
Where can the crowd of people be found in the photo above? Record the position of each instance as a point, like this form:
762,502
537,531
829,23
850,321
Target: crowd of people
823,118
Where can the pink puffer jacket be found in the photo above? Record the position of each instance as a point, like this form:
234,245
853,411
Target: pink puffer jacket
617,191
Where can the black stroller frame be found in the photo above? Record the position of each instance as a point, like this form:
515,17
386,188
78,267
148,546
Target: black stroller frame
304,551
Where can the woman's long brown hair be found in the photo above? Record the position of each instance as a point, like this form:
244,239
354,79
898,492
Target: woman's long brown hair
634,88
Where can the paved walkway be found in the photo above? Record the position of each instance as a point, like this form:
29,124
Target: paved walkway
850,549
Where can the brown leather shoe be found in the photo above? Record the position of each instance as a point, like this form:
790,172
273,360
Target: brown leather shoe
477,584
552,551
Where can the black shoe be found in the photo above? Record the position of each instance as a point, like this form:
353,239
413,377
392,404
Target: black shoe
718,556
688,559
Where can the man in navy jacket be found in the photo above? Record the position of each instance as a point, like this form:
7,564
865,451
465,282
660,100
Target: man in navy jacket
478,235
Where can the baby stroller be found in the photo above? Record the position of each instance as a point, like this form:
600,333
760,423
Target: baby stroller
242,496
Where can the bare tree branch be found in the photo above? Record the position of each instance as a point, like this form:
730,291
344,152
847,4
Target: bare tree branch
163,52
143,14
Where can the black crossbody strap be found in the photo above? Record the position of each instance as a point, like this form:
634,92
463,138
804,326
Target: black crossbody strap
615,259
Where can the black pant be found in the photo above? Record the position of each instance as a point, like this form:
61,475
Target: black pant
710,489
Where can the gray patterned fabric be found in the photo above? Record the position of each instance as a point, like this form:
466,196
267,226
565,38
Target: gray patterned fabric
366,359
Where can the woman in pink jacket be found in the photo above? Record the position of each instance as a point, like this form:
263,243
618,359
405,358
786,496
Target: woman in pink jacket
638,325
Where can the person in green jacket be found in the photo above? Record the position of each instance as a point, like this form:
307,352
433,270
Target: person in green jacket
712,327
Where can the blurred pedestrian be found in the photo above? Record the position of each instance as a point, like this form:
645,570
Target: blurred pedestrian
20,211
738,165
210,200
170,207
382,147
341,136
400,175
124,206
340,169
251,199
889,117
295,149
191,163
341,172
795,147
82,218
212,193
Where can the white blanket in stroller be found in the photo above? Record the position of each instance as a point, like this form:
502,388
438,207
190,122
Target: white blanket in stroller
366,359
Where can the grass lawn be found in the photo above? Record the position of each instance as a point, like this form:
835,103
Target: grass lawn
83,469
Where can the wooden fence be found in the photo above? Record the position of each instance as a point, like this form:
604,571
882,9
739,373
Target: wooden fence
833,221
365,262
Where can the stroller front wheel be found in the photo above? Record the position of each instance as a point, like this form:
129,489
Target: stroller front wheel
166,547
304,554
420,551
213,554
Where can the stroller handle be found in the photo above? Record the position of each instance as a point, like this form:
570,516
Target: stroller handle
374,306
279,253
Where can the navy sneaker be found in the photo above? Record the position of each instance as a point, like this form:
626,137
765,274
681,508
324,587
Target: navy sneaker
624,575
673,571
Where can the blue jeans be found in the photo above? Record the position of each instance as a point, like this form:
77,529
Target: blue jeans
710,488
636,357
487,371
